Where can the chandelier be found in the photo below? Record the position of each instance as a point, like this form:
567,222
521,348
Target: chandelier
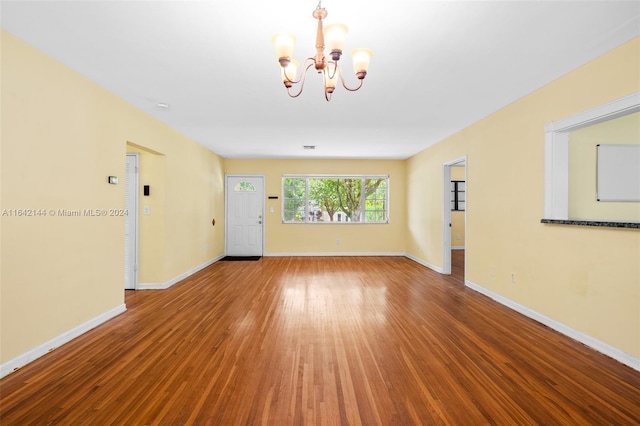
331,72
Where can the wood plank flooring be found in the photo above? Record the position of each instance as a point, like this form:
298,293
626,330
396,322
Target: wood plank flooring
320,341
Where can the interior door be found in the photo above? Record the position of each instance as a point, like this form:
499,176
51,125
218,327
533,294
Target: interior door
245,215
131,223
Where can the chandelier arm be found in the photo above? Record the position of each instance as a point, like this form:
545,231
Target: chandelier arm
335,69
301,81
303,74
344,84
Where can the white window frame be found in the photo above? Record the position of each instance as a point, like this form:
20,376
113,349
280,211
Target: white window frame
323,176
556,162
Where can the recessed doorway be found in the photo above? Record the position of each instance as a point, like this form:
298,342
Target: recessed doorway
454,208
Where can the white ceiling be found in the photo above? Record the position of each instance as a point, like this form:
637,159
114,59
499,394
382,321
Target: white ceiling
438,66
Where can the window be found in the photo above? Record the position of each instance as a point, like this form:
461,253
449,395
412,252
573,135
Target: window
335,199
244,186
457,195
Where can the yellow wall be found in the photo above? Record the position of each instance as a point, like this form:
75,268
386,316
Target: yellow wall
582,169
586,278
457,217
321,238
61,136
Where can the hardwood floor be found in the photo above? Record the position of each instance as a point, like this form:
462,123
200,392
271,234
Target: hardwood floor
327,341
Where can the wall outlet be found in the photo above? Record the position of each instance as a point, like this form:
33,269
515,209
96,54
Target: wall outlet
513,277
457,236
338,242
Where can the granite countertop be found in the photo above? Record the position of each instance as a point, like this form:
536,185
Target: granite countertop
586,222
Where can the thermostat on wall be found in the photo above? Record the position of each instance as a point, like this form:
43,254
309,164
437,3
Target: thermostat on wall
113,180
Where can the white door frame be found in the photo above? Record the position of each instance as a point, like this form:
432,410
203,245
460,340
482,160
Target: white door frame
446,211
132,215
226,206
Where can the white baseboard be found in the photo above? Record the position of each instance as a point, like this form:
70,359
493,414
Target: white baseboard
423,263
166,285
331,253
40,350
596,344
457,247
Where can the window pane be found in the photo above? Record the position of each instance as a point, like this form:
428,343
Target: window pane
294,196
349,193
323,197
376,200
244,186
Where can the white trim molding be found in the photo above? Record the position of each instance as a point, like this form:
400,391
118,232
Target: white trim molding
581,337
46,347
332,253
423,263
166,285
556,150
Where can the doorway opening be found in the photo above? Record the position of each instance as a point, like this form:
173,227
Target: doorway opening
454,212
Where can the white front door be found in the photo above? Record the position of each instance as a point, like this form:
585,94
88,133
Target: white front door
245,215
131,223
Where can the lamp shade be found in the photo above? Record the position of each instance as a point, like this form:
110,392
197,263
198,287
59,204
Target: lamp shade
361,59
289,72
283,43
334,36
331,76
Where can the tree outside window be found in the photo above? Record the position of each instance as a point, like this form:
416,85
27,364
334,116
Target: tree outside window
361,199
